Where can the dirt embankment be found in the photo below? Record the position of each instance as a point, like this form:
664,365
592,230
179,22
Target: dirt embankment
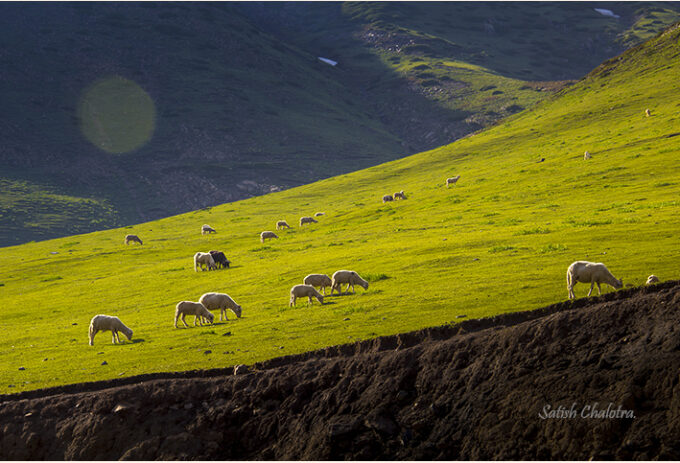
476,390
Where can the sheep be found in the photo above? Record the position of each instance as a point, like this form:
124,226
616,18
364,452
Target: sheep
132,239
302,291
648,112
452,180
399,195
267,234
205,229
590,272
304,220
347,276
204,259
318,279
586,156
387,198
108,323
220,259
319,214
214,301
197,309
281,224
652,279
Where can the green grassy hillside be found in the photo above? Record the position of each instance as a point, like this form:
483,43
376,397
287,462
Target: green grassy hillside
499,241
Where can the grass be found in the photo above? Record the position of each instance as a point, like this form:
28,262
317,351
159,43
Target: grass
428,258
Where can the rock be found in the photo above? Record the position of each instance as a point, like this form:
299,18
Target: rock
21,368
105,362
188,406
345,319
207,352
461,316
240,369
228,333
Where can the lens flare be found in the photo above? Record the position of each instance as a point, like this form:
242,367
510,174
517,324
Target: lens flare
116,115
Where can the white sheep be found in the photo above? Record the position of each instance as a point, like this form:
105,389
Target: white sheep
452,180
108,323
586,156
197,309
204,259
267,234
304,220
319,214
387,198
347,276
132,239
590,272
221,301
304,291
282,224
648,112
205,229
399,195
318,279
652,279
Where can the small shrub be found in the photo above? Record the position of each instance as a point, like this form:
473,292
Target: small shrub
371,277
501,249
552,248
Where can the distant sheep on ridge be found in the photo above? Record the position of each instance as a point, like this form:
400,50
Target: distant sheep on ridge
205,229
267,234
304,220
452,180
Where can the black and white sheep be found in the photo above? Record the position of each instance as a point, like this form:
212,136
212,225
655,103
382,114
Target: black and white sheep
347,276
651,279
387,198
108,323
399,195
184,308
590,272
220,259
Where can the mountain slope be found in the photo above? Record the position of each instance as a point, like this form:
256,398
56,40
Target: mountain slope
499,241
236,105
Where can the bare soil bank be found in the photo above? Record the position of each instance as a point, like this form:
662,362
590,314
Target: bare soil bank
474,390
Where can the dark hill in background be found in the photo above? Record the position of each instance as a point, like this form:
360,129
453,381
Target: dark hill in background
243,105
471,391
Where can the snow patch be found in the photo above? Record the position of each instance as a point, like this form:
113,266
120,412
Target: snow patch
604,12
328,61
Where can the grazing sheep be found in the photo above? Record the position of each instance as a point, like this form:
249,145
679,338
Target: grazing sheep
452,180
205,229
318,279
214,301
648,112
220,259
387,198
590,272
108,323
267,234
304,220
197,309
652,279
132,239
204,259
399,195
586,156
304,291
319,214
281,224
349,277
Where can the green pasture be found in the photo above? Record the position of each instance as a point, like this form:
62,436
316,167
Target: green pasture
499,241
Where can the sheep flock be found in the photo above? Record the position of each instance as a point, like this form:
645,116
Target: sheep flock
577,272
